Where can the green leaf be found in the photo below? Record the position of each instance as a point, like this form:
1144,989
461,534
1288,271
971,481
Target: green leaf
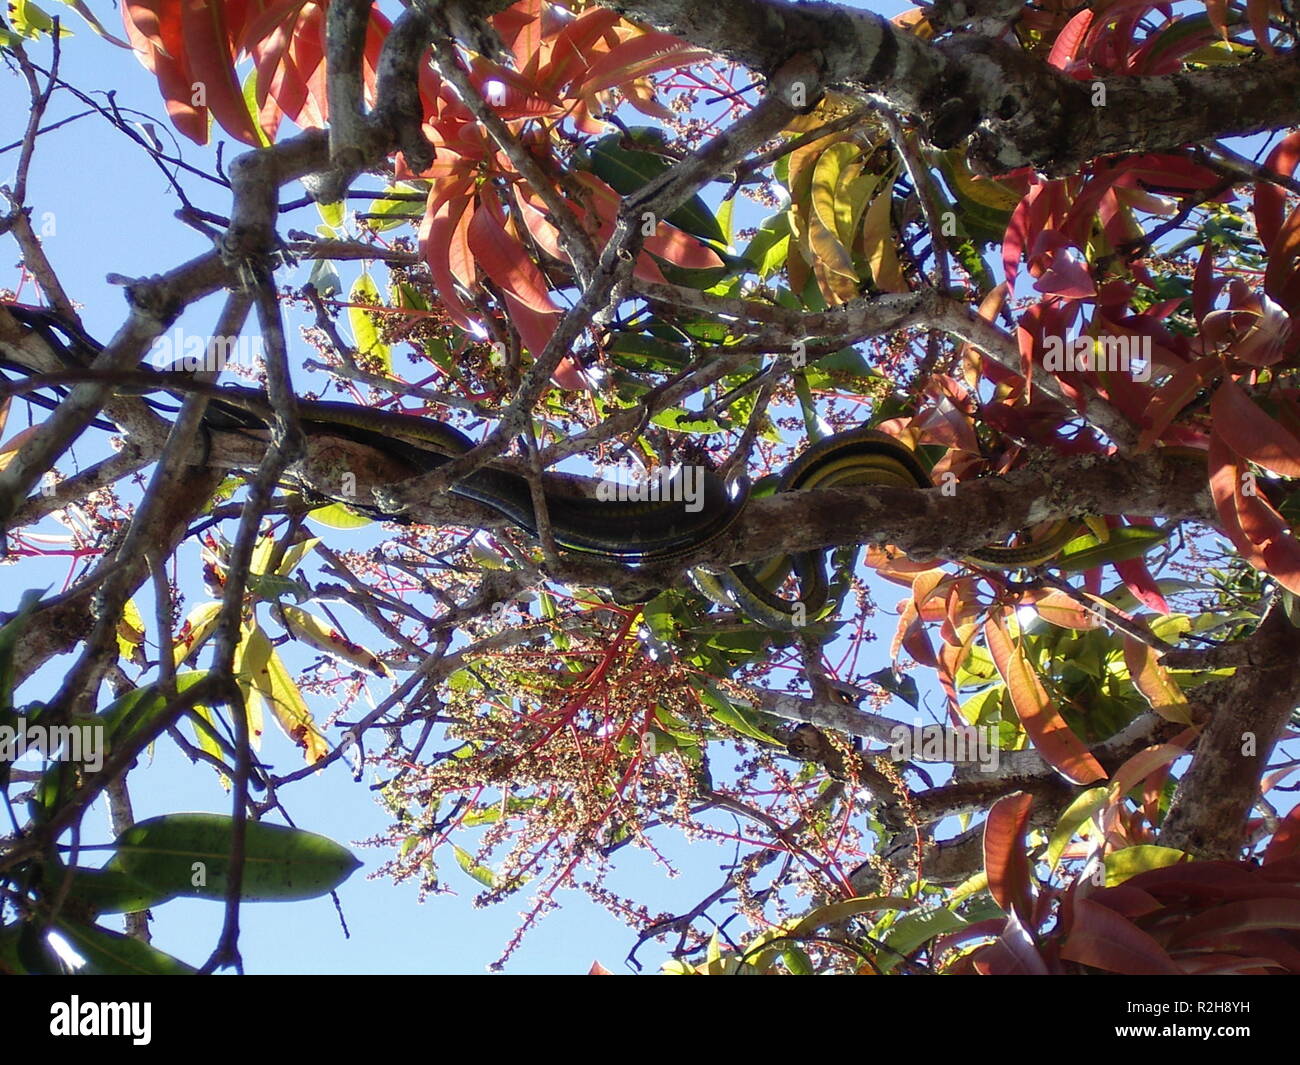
338,516
770,246
647,354
914,929
395,212
364,331
31,21
113,954
325,278
1120,865
1078,812
899,684
136,710
481,873
626,170
106,890
94,23
10,633
835,912
1130,541
683,421
189,855
744,720
248,91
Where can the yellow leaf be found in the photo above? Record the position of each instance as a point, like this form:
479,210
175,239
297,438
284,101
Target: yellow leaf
1154,682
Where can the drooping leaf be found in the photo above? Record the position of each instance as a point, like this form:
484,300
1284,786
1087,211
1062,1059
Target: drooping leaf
189,855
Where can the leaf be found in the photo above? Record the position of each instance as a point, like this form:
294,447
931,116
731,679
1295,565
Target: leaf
1270,198
1242,915
1251,433
1126,542
1103,939
338,516
1126,863
651,51
479,872
1154,682
10,633
878,245
1075,816
1172,396
365,333
322,635
506,261
912,930
137,710
395,212
107,890
109,953
1047,730
835,912
209,56
899,684
1069,41
1004,853
189,855
726,712
263,670
628,170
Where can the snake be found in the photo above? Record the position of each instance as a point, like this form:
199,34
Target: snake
637,531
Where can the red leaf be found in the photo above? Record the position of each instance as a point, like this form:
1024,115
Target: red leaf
1138,580
641,55
1251,433
1249,521
1172,396
1105,940
1270,199
1013,954
154,29
211,61
439,230
1066,46
569,56
505,260
1004,853
1286,839
1242,915
1257,14
1203,287
1281,276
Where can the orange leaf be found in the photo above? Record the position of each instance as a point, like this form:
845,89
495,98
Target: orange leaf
1047,730
1005,861
1060,610
505,260
640,56
439,231
1154,682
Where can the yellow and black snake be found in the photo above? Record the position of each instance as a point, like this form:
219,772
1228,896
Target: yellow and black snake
631,531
